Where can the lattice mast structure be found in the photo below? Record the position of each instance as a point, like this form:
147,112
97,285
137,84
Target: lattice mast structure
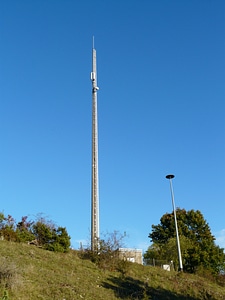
95,187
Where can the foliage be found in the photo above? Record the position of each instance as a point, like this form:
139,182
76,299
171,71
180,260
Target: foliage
46,233
7,228
107,256
197,243
24,230
50,237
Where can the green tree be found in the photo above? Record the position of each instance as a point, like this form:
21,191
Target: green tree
197,242
50,237
60,241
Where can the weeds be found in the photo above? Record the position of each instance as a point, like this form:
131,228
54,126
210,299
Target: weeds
5,296
7,274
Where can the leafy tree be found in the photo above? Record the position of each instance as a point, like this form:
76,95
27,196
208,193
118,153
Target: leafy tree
50,237
196,240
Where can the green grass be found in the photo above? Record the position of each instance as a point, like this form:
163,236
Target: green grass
28,272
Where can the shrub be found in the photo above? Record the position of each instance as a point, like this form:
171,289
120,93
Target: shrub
46,233
107,256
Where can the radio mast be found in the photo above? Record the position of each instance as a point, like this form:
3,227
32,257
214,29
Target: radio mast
94,192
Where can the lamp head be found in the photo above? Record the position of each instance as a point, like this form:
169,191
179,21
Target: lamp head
170,176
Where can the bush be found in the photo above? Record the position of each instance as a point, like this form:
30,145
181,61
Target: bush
46,233
107,256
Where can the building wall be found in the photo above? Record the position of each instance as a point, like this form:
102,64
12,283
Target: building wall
133,255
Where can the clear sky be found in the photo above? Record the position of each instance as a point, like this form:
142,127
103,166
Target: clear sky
161,108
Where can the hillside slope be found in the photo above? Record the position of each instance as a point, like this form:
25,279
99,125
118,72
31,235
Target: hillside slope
28,272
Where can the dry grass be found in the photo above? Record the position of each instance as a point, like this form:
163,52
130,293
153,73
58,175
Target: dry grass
28,272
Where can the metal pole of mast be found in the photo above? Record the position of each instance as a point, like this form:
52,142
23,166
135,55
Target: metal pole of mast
170,177
95,189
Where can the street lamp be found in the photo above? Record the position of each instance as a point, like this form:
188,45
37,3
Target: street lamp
170,177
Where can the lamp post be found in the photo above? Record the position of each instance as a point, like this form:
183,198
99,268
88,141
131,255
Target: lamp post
170,177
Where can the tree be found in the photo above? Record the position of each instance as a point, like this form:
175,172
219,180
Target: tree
50,237
196,240
60,240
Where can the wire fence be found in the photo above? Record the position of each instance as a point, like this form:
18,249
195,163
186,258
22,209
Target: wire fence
164,264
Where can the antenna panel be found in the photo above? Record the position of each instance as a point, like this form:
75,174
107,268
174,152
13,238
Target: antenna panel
92,76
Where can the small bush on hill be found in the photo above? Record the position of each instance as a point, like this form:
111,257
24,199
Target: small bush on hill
107,255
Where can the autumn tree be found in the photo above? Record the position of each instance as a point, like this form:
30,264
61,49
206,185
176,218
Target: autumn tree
196,240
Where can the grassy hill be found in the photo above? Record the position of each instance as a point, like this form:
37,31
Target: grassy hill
28,272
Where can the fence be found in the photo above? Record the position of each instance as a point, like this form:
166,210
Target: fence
164,264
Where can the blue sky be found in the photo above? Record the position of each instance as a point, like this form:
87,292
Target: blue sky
161,109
